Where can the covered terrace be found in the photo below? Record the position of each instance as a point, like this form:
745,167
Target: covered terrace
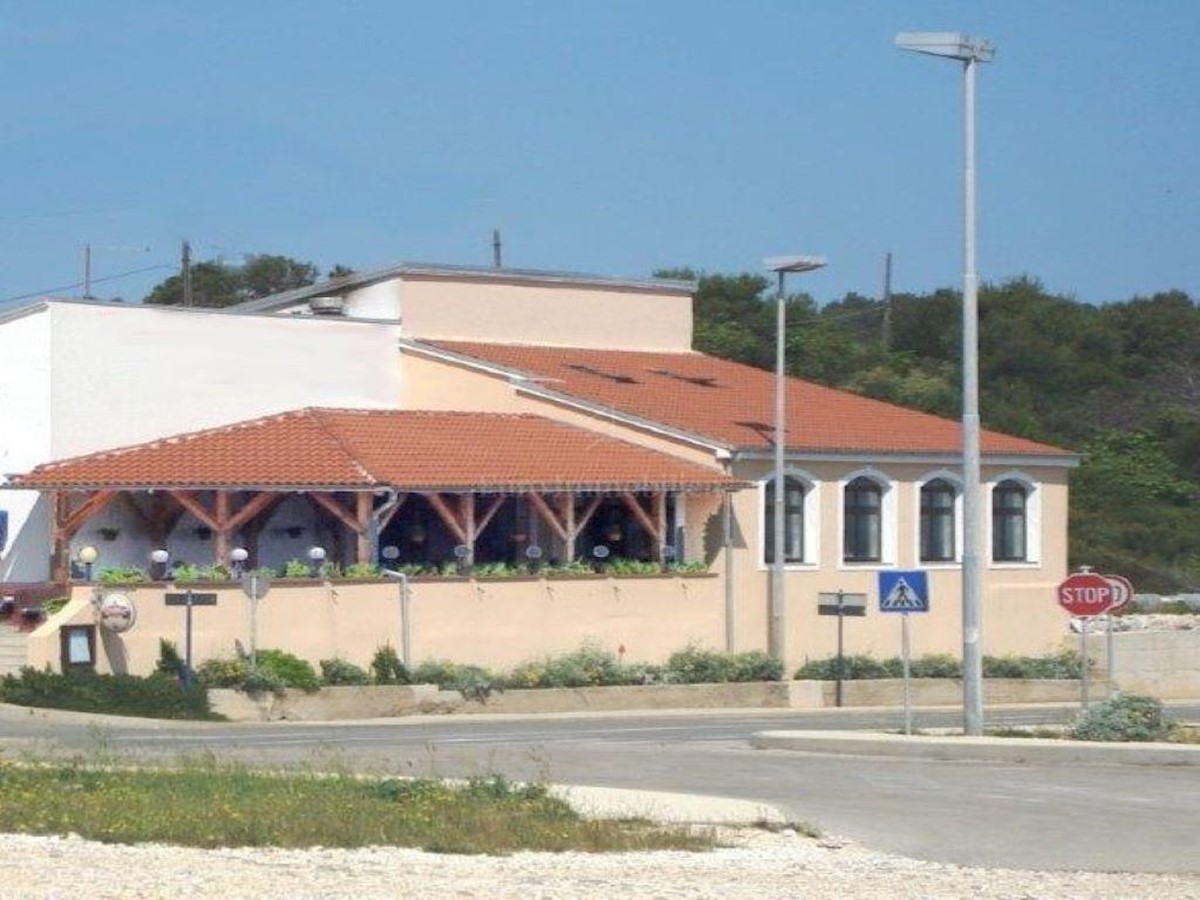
378,485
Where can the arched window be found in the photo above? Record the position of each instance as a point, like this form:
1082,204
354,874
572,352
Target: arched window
794,490
863,507
1009,522
937,521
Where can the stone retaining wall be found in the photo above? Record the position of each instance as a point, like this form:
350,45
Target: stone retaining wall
341,703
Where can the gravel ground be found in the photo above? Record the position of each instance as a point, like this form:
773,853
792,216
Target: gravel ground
761,865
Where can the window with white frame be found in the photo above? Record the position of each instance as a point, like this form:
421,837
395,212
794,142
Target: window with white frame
795,491
862,520
1010,521
939,502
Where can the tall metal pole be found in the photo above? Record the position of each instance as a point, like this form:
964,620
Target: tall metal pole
778,625
886,336
187,273
972,562
87,271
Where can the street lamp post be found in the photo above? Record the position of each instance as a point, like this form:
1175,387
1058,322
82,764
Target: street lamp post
968,51
777,622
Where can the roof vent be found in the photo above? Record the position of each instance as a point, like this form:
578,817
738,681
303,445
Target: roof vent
327,306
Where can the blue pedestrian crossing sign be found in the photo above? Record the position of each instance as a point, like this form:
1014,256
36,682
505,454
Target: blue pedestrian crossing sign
904,591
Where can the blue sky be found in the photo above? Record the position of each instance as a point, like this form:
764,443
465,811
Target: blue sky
608,137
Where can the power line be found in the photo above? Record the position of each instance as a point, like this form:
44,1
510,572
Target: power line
78,284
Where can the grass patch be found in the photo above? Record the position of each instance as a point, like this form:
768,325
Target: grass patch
204,806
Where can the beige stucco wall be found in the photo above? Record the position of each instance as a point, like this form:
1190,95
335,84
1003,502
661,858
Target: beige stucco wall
489,622
529,312
1020,614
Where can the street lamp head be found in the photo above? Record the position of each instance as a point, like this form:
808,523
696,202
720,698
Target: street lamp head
794,263
950,44
88,555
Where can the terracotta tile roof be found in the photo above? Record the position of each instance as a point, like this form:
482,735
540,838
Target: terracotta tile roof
348,449
733,404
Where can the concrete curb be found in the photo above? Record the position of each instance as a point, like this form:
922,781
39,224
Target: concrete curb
1017,750
665,807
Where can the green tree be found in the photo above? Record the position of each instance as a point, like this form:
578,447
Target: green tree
218,284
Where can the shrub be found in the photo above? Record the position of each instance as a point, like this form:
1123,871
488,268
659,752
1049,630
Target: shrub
338,671
589,666
156,697
1125,718
386,667
293,671
755,665
934,665
1062,665
853,668
694,665
169,661
222,673
473,682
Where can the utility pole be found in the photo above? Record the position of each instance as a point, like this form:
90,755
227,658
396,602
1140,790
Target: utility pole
887,301
187,274
87,263
496,258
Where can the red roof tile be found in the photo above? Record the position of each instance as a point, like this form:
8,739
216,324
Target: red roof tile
733,404
352,449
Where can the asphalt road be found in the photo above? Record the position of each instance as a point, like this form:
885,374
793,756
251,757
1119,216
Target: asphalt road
1103,818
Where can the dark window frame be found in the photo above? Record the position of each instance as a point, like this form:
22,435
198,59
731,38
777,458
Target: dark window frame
939,521
793,515
862,526
1010,521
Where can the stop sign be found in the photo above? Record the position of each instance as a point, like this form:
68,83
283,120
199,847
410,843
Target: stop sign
1087,594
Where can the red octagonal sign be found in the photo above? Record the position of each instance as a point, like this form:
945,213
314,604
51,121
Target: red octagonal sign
1087,594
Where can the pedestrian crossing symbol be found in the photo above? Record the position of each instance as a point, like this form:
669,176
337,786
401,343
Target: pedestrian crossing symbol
904,591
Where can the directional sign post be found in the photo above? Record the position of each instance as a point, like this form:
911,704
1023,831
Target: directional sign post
1124,593
1084,595
904,591
256,586
189,598
841,604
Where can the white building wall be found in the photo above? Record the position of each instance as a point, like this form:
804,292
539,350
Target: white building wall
123,375
25,428
80,377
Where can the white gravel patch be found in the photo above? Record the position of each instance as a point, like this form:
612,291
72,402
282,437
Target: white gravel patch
762,865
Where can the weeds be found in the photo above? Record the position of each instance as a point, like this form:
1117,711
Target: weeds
203,806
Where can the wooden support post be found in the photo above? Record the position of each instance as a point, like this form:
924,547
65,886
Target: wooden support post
660,517
572,531
363,502
221,534
547,515
466,503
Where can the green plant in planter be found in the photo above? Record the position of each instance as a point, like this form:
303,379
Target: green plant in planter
361,570
55,604
621,566
296,568
122,575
